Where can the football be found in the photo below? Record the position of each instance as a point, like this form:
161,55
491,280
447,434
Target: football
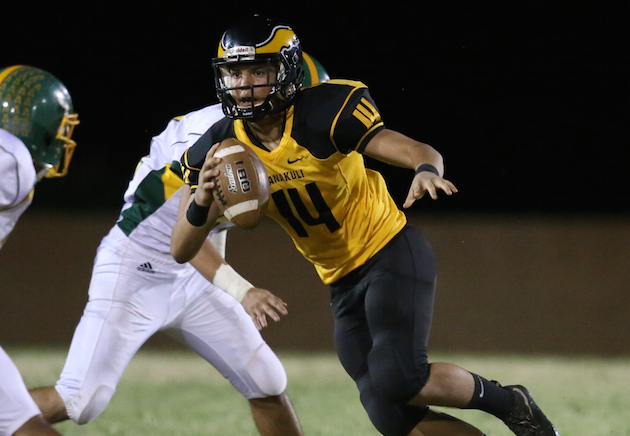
242,186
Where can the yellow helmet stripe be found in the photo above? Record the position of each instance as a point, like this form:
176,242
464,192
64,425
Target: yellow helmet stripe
8,71
312,69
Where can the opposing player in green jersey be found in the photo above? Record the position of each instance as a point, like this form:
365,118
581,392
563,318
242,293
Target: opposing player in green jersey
37,121
341,217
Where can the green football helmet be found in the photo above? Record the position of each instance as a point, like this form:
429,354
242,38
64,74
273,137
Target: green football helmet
314,72
36,107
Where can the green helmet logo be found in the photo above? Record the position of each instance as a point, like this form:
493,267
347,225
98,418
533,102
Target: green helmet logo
36,107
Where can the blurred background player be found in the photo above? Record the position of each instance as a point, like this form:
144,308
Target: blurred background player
36,126
341,217
138,289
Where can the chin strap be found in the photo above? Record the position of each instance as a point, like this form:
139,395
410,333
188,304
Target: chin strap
43,170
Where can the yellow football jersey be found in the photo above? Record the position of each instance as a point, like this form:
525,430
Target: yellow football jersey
338,212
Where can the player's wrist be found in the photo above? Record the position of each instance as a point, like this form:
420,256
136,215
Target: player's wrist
231,282
427,167
197,215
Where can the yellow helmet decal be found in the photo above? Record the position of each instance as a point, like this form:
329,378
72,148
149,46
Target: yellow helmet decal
283,38
280,37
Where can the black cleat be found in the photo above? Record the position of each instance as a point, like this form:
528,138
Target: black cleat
527,419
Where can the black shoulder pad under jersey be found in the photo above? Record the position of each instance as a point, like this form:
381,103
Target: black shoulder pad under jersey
192,160
338,115
195,156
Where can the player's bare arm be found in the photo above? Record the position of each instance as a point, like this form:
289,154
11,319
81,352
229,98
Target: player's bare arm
188,237
397,149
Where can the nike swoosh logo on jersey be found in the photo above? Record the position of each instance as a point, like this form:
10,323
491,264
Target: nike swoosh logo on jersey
289,161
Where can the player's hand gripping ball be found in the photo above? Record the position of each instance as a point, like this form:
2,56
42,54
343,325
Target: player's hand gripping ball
242,186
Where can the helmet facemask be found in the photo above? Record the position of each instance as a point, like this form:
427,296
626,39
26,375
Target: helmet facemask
283,84
64,134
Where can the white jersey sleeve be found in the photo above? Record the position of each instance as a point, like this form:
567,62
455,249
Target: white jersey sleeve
17,181
152,196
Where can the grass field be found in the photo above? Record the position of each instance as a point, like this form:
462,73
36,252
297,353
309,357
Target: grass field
176,393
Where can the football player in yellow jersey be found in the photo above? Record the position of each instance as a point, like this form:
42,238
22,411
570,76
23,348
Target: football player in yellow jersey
381,271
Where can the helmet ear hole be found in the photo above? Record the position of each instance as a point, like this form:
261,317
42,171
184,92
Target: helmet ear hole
48,138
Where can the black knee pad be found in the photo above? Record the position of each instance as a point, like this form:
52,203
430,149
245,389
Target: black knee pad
394,376
390,419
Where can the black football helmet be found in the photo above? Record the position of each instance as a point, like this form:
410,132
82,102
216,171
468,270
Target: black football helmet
258,40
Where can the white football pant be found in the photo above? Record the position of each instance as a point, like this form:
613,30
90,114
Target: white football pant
16,405
135,292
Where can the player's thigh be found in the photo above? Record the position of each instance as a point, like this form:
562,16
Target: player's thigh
401,290
352,338
217,327
399,308
125,309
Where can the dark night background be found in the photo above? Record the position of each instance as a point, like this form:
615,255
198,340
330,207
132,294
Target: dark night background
527,101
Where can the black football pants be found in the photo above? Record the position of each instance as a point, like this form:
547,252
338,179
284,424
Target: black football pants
383,313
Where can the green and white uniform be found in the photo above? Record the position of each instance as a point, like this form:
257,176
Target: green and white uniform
138,289
152,197
17,180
